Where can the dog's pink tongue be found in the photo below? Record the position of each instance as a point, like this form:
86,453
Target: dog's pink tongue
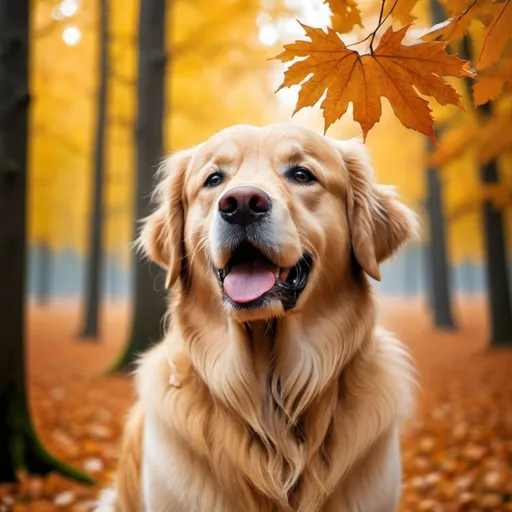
249,281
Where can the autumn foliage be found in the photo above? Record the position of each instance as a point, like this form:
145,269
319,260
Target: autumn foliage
404,73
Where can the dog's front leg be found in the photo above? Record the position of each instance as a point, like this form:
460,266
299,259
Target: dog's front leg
374,484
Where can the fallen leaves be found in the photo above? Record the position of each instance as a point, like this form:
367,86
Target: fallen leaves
395,71
456,450
78,410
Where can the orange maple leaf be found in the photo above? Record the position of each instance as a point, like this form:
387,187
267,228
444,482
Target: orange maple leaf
400,10
462,14
488,88
497,34
447,30
345,15
454,143
495,137
393,70
491,81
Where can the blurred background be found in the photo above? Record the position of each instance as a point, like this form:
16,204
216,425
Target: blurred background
108,77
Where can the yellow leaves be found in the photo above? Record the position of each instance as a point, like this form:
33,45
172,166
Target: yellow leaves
450,29
495,137
395,71
486,140
454,143
487,88
497,34
400,10
498,194
345,15
497,18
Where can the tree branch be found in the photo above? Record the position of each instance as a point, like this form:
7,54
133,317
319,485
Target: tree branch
378,25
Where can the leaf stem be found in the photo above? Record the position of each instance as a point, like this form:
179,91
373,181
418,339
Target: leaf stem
378,25
467,10
389,13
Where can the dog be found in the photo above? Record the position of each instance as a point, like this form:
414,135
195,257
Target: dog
274,389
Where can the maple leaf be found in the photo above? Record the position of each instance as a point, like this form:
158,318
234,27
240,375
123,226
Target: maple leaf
495,137
462,14
486,139
451,29
492,81
345,15
488,88
399,10
497,34
393,70
454,143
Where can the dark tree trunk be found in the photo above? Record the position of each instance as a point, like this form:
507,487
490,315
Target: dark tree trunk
496,263
43,274
20,447
496,266
440,289
149,290
94,256
427,272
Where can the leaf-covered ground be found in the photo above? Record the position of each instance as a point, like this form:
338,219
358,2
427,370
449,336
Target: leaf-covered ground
457,451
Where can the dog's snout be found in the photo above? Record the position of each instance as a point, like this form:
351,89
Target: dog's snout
244,205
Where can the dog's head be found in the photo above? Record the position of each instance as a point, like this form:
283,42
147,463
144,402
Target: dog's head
262,218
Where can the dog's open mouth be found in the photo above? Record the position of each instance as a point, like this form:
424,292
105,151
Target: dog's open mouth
250,275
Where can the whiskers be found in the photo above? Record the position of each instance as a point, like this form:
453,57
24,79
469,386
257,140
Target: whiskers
310,249
201,245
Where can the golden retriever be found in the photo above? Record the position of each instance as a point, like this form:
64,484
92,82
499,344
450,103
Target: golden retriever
273,389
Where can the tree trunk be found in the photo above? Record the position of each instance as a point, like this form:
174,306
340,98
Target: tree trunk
440,290
19,446
496,263
149,290
440,297
496,266
94,256
43,274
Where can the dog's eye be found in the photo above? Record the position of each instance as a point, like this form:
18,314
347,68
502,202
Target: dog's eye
300,175
214,180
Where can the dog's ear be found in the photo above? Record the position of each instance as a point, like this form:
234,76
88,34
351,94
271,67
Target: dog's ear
379,223
161,237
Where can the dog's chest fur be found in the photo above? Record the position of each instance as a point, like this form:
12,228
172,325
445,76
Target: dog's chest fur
270,460
273,436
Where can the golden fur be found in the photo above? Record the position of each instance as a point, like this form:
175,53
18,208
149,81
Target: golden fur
262,410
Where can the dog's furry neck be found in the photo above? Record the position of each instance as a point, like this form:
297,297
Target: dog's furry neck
279,382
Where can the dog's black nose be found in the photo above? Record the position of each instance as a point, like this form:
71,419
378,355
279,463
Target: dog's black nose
244,205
